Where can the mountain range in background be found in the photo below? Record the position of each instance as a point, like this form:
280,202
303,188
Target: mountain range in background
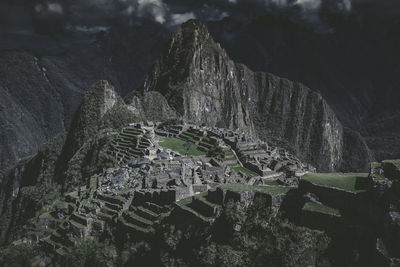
354,66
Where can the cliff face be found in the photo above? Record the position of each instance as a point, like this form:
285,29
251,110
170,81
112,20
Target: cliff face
98,100
199,81
292,115
65,162
40,94
203,85
361,85
101,108
27,187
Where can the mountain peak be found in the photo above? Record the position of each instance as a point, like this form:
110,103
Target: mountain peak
100,98
195,28
202,85
193,35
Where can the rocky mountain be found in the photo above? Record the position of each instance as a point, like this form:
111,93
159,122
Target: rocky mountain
351,60
199,81
100,109
176,174
194,80
66,161
41,93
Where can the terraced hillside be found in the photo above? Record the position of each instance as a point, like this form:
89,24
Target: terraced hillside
184,182
130,143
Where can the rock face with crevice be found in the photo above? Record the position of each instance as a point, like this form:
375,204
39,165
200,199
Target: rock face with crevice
203,85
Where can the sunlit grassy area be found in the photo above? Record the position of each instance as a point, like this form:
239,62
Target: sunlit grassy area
394,161
178,145
245,171
312,206
273,190
345,181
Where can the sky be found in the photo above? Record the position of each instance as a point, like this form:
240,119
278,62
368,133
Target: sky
22,20
95,15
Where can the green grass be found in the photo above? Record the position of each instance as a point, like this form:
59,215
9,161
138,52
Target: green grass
245,171
188,200
177,145
126,223
206,139
394,161
90,203
139,218
273,183
185,201
124,190
232,165
102,214
77,225
273,190
49,217
345,181
312,206
190,134
60,204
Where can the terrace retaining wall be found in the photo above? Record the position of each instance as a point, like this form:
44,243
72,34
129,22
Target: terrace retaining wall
351,204
319,220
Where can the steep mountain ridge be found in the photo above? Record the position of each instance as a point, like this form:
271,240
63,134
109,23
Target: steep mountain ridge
203,85
99,100
40,94
67,161
196,77
101,108
353,64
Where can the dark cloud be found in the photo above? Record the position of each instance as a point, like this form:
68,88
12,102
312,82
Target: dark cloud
99,13
52,17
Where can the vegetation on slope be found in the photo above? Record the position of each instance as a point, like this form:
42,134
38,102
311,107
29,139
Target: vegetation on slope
345,181
245,171
312,206
180,146
245,237
273,190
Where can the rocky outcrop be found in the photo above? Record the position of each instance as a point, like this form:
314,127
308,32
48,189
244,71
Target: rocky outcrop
152,106
356,154
203,85
97,102
199,81
40,94
101,108
361,85
65,162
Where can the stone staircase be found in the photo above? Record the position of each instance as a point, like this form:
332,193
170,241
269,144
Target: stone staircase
141,219
201,208
112,206
130,143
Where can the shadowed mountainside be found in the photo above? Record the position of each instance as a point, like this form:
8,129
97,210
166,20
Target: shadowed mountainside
200,82
41,94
